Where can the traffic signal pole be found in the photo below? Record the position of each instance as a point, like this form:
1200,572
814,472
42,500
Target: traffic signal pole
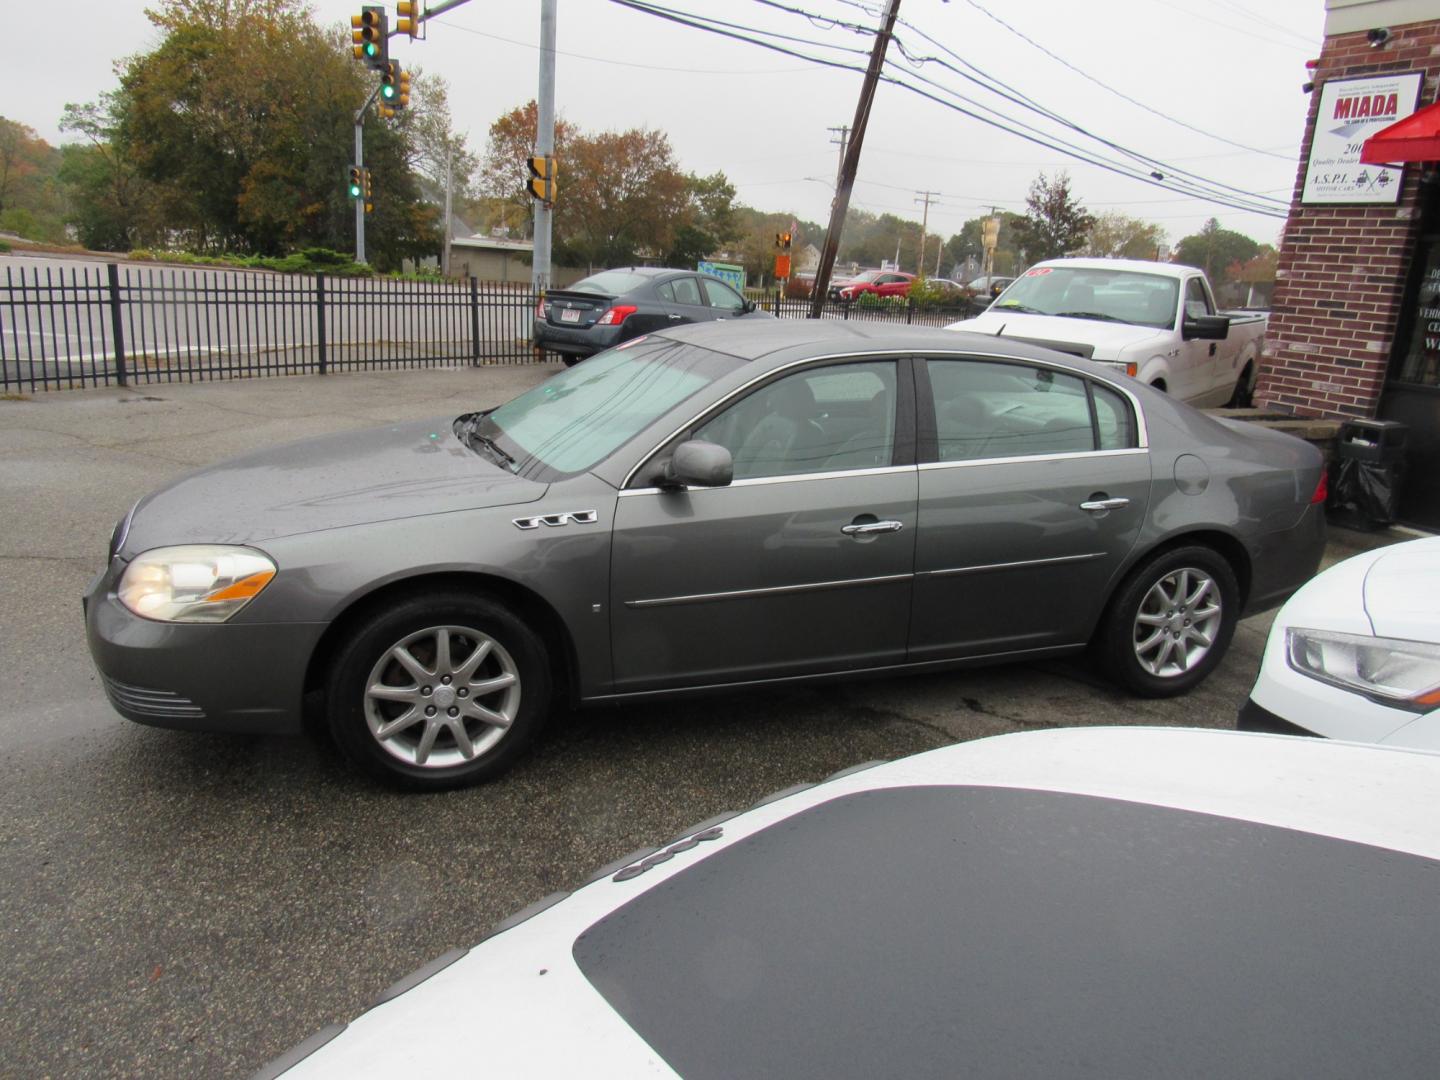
360,164
544,144
852,159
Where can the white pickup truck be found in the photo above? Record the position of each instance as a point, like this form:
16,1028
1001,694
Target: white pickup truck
1155,321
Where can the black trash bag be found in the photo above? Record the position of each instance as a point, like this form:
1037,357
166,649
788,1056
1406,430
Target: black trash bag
1364,494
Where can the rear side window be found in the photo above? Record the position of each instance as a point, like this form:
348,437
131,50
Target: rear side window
995,410
1115,420
680,291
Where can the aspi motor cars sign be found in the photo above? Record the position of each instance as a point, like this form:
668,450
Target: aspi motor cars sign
1350,111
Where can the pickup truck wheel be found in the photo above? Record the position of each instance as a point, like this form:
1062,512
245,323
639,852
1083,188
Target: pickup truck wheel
1170,622
1244,388
1159,384
438,691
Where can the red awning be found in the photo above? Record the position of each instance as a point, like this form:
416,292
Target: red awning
1416,138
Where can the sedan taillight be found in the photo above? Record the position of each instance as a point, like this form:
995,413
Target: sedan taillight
542,309
616,315
1322,489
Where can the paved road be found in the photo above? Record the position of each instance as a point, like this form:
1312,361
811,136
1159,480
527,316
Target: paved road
187,905
56,321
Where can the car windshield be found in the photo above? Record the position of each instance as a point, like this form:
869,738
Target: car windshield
1106,295
609,283
576,419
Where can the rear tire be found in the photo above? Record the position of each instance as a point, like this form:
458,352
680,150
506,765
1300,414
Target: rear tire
438,691
1170,622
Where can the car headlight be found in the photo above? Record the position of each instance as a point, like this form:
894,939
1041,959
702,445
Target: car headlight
1389,671
198,583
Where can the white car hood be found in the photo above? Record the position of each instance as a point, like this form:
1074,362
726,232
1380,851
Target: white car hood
1402,591
1107,338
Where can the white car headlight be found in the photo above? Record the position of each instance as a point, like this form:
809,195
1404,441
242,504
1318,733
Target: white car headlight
200,583
1390,671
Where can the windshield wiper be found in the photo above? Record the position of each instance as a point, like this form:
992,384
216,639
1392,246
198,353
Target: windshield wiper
469,431
1097,315
1011,305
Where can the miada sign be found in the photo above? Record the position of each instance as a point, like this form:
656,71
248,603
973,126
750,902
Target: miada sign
1350,111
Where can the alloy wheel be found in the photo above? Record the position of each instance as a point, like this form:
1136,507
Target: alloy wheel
1177,622
442,696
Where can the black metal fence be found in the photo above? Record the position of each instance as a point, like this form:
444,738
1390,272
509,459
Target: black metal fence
69,327
899,309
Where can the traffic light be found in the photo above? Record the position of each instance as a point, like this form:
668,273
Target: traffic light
542,178
408,21
356,186
782,241
368,32
365,176
394,88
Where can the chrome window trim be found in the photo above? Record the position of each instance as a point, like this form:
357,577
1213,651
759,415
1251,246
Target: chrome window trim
761,481
772,590
951,571
1142,433
932,465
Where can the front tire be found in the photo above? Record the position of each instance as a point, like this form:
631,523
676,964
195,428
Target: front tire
439,691
1170,622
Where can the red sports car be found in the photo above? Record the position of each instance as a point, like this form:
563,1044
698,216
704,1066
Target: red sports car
880,282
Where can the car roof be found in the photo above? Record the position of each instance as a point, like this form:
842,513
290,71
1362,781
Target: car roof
780,341
1140,891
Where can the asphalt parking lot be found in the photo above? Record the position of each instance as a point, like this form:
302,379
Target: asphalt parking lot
183,905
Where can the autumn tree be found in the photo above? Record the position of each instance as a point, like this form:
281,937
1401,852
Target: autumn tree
503,173
1055,223
1213,249
31,199
1119,236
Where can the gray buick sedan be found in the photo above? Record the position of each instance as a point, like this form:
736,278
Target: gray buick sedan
712,506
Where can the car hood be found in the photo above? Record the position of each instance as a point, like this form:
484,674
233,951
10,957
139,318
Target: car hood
1107,338
349,478
1402,591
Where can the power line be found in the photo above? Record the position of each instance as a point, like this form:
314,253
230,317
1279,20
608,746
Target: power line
739,33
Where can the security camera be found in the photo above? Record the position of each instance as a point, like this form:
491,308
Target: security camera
1378,36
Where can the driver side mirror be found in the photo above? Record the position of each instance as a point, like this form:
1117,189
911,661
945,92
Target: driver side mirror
1204,327
698,464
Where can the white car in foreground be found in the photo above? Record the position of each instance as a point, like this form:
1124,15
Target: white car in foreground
1112,902
1355,653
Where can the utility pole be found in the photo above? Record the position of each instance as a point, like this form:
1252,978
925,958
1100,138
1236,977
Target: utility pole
926,197
852,158
544,144
842,139
445,254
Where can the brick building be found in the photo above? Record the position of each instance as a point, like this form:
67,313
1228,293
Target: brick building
1354,294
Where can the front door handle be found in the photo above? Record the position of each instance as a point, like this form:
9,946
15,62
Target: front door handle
1097,505
674,318
868,527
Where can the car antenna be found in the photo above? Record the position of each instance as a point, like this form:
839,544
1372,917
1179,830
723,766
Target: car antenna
1002,329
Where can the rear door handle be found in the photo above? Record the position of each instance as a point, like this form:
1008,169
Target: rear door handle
674,318
1096,505
869,527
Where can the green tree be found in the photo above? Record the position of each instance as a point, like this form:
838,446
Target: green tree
32,202
1214,249
968,243
1056,222
1119,236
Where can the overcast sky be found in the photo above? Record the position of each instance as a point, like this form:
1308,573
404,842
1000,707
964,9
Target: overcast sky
761,117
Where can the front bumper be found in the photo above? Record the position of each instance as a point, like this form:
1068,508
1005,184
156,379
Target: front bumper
246,678
1255,717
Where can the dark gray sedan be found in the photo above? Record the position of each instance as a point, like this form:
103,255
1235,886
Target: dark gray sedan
612,306
707,507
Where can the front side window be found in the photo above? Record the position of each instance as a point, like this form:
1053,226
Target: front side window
828,419
996,410
1197,305
720,295
576,419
